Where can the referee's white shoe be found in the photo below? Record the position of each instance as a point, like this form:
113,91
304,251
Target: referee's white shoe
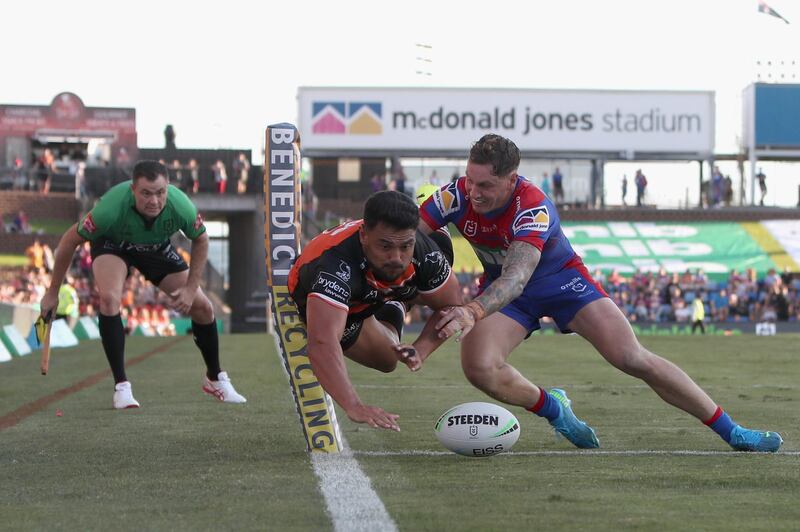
123,396
222,389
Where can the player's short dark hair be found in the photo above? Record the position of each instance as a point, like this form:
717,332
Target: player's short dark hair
498,151
393,208
150,170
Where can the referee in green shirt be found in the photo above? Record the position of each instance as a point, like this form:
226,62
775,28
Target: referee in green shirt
131,226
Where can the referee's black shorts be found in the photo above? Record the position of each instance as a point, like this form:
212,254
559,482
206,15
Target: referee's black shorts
154,261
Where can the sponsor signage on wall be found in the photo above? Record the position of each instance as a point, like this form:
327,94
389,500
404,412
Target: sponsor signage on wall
426,120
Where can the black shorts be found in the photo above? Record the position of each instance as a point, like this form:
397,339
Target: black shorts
154,261
350,335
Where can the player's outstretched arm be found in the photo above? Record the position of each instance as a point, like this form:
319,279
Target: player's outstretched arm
446,297
325,325
521,260
63,257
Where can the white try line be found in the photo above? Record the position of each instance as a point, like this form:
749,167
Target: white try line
642,452
352,503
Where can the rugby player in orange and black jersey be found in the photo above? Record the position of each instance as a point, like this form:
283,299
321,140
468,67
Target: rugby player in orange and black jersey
350,284
334,268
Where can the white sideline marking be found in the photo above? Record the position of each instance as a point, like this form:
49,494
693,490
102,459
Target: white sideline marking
583,453
349,497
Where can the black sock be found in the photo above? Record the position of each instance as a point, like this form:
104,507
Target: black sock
113,337
393,313
206,338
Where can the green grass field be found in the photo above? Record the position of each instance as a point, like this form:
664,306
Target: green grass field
185,462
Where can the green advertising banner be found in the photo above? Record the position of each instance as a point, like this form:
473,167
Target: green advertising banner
715,247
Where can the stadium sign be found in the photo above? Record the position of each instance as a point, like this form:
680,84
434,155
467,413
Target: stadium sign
717,248
449,120
282,207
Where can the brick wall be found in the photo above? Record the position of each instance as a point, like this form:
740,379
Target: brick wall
54,206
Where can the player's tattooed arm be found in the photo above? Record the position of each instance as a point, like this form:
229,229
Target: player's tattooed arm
521,260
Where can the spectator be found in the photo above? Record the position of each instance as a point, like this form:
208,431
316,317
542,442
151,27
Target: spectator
641,187
624,188
20,180
762,185
727,191
176,174
220,176
716,187
242,169
698,313
558,186
546,184
68,302
35,254
194,175
45,168
378,182
20,223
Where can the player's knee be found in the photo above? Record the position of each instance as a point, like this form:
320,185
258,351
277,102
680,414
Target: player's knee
109,303
385,366
202,310
480,373
637,361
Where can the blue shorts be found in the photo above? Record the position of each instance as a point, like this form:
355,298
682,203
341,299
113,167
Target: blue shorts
559,296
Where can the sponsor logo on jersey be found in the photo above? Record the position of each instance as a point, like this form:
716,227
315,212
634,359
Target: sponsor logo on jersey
536,219
434,257
470,228
576,285
88,224
344,271
198,222
332,287
447,200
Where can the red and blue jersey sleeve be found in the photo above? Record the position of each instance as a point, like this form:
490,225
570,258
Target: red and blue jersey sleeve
536,220
446,205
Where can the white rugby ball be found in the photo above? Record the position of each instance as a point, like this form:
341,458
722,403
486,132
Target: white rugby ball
477,429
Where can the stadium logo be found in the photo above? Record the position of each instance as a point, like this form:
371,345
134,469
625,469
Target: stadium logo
343,118
536,219
447,200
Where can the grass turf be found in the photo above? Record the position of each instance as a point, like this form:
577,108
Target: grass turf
185,462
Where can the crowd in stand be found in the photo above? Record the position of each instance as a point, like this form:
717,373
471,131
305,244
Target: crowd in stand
659,297
143,305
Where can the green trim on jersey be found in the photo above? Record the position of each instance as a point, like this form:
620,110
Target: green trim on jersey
115,218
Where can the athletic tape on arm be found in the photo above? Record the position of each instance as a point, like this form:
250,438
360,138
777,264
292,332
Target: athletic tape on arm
283,209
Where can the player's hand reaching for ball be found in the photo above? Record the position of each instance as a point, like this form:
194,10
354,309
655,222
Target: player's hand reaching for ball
459,321
373,416
408,355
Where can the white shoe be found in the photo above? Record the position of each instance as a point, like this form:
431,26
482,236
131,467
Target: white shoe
123,396
222,389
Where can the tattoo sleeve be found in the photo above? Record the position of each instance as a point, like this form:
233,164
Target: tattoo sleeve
521,259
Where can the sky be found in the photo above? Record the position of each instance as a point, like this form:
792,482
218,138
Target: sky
221,72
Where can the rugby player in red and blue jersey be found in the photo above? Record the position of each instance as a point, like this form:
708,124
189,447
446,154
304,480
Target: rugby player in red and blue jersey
531,271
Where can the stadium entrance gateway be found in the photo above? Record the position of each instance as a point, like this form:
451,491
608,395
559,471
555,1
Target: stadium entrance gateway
349,133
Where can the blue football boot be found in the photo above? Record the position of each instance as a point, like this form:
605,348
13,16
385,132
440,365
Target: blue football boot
576,431
743,439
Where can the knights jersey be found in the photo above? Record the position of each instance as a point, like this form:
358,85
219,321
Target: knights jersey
333,267
529,216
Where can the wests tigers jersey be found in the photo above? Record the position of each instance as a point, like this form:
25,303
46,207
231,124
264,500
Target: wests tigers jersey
529,216
333,267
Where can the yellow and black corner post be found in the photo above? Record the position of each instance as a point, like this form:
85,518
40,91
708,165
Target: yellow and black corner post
283,211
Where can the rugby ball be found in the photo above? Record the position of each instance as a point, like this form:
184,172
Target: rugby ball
477,429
